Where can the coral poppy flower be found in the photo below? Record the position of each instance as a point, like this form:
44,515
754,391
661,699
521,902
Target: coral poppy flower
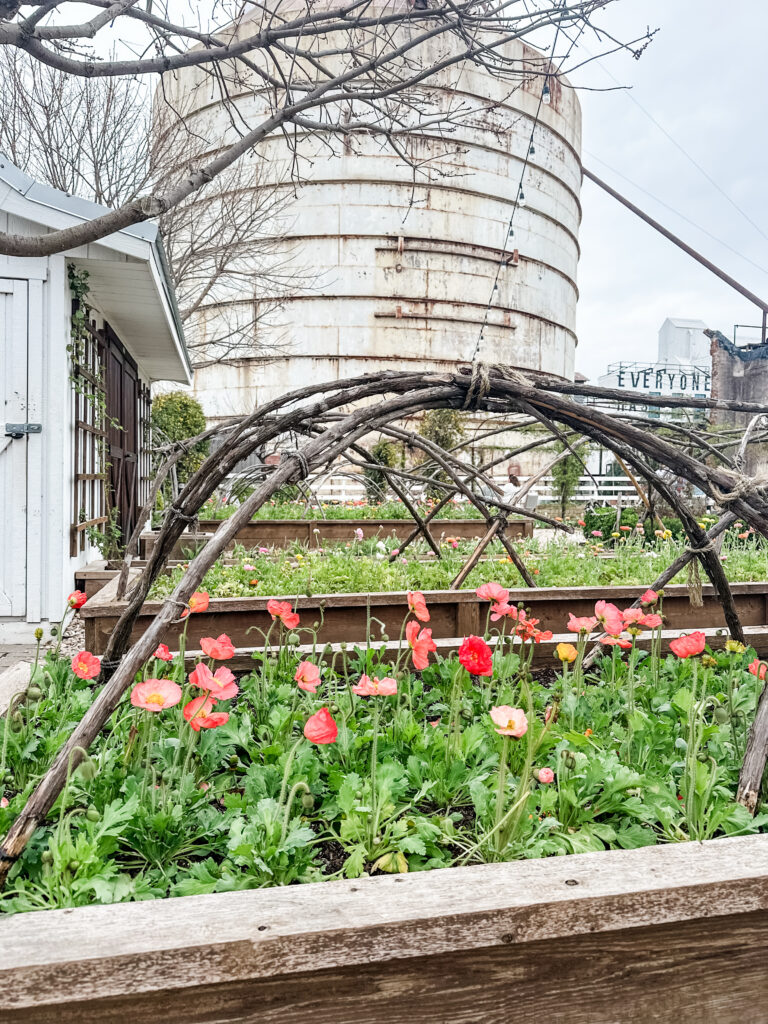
758,668
545,776
221,683
616,641
476,656
501,609
688,645
307,676
155,694
197,603
652,621
418,605
637,617
566,652
367,687
282,610
649,597
509,721
86,665
493,592
580,522
421,643
76,599
200,714
320,728
163,653
220,649
609,617
585,624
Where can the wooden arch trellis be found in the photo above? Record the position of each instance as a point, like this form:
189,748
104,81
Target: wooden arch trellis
327,421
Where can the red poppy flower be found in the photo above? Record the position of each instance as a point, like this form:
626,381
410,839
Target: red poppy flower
282,610
197,603
320,728
86,665
220,649
476,657
200,714
418,605
307,676
163,653
76,599
687,646
421,643
221,683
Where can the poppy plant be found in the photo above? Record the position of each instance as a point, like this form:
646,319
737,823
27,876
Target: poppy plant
76,599
584,624
509,721
421,643
493,592
220,649
307,676
197,603
418,605
367,687
282,610
200,714
221,683
155,694
163,653
86,665
688,645
476,657
320,728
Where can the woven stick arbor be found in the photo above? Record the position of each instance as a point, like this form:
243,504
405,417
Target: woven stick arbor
326,420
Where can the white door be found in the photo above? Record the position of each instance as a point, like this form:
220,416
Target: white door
13,453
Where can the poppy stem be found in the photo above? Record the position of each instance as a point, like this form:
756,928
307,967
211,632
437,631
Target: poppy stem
287,769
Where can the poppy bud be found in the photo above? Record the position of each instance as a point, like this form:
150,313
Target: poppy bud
294,639
307,801
34,692
73,865
47,857
38,634
87,770
92,814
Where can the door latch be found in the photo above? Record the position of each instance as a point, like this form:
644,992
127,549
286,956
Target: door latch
18,430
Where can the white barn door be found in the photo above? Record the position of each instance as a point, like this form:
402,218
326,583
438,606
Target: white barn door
14,356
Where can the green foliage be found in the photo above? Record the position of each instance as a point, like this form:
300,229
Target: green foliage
445,428
177,416
565,477
603,519
384,453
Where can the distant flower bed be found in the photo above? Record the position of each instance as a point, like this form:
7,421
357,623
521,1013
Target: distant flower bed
359,566
343,510
298,771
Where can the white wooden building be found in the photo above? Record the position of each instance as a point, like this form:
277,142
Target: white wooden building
75,418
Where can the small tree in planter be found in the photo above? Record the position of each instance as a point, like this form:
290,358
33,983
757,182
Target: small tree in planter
177,416
565,478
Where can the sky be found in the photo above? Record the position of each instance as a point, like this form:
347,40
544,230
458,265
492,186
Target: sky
703,78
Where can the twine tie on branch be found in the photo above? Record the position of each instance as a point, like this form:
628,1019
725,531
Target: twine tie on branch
296,453
479,386
178,514
743,486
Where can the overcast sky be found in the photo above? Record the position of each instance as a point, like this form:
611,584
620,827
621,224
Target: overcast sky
703,78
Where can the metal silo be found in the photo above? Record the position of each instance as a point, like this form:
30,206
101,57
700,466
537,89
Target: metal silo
401,268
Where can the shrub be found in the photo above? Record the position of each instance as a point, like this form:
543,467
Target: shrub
385,454
177,416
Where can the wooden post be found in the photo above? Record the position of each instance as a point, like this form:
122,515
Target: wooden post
474,558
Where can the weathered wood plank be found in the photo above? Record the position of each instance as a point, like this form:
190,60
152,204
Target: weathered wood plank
13,680
658,934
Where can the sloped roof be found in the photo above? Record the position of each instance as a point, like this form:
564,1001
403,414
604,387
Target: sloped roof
129,280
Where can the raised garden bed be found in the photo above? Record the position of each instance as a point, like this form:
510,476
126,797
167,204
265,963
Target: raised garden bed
279,532
673,933
351,617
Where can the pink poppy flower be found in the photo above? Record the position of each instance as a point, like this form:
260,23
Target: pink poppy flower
263,551
200,714
493,592
307,676
501,610
367,687
585,624
359,534
597,533
476,656
221,683
421,643
617,641
652,620
509,721
545,776
609,617
155,694
688,645
4,801
86,665
163,653
418,605
282,610
220,649
320,728
649,597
